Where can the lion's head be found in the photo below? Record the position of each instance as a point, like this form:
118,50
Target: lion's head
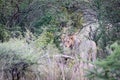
69,41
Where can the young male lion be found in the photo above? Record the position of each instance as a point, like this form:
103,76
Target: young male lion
84,49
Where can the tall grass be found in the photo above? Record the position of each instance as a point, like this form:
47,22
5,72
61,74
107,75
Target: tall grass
36,64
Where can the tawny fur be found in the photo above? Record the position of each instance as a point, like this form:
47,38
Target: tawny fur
86,50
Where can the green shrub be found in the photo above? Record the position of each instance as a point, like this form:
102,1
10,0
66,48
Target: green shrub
17,50
4,34
109,68
16,56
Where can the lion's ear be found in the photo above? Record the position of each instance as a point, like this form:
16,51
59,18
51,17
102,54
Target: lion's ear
72,37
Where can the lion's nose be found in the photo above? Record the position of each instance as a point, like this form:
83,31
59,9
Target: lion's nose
67,46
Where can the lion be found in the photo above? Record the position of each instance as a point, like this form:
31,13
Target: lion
86,50
79,46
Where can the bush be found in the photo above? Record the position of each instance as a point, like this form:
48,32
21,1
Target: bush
109,68
4,34
16,58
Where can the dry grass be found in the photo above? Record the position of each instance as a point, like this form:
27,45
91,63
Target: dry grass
47,64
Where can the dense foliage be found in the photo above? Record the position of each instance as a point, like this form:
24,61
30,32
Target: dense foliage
31,30
109,22
108,69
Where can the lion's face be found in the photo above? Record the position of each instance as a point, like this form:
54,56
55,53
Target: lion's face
68,41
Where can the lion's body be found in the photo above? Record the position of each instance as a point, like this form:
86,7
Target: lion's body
86,50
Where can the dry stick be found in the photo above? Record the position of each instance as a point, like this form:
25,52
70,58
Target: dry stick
49,60
37,75
1,78
62,69
84,26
